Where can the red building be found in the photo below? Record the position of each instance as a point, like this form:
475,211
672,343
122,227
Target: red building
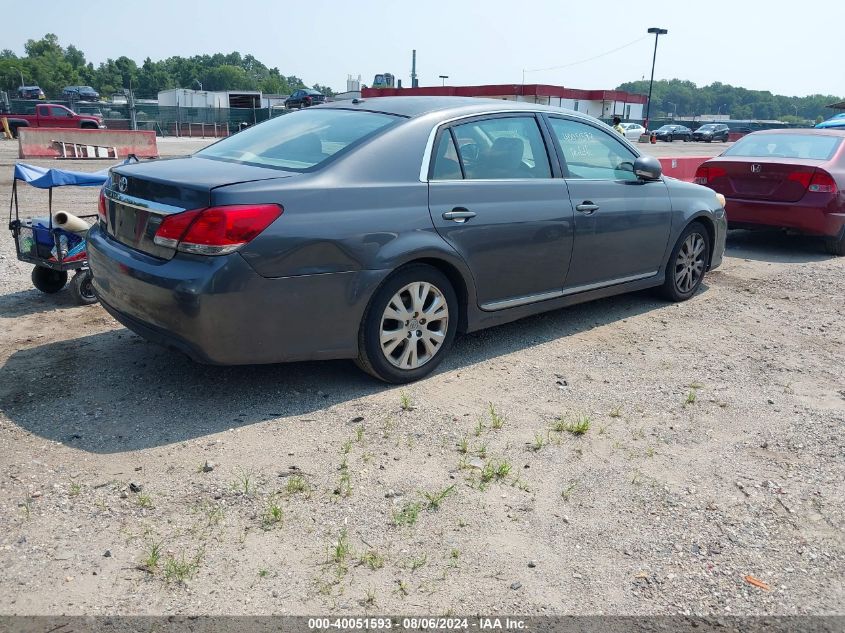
603,104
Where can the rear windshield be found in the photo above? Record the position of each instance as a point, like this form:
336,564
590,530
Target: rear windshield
301,140
812,146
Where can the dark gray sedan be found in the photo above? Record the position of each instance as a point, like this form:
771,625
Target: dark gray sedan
376,229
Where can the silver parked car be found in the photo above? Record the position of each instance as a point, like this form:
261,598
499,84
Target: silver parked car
376,229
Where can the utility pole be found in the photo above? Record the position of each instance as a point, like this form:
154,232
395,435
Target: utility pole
657,33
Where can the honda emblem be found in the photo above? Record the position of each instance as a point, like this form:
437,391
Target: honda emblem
756,168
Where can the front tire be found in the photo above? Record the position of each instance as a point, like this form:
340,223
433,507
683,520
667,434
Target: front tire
409,325
670,138
687,263
47,280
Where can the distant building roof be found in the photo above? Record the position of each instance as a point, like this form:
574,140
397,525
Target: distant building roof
500,90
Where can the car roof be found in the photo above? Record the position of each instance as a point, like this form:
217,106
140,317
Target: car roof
815,131
418,106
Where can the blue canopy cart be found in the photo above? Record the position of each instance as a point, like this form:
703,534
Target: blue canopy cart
54,244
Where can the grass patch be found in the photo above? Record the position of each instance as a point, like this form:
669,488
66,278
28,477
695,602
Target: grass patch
495,471
575,427
416,563
272,515
340,552
405,402
144,501
436,498
296,484
690,399
539,442
567,492
497,420
152,557
244,483
408,515
181,569
463,445
74,489
372,559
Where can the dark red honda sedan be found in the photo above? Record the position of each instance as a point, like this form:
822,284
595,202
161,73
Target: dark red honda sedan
794,179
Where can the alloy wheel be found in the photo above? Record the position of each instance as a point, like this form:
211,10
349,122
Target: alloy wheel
414,325
689,265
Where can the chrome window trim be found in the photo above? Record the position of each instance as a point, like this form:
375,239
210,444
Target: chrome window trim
140,203
573,116
557,294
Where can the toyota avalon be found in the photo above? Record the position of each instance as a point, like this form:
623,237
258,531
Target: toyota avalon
375,229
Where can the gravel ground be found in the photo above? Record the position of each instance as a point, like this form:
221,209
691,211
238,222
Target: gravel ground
626,456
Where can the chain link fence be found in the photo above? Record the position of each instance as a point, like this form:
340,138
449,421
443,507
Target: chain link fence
164,120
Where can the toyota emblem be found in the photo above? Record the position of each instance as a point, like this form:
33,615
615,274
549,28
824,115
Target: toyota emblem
755,169
122,184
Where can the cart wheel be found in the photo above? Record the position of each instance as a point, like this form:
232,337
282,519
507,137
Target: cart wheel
82,289
48,280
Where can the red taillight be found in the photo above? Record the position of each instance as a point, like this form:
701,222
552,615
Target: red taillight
102,205
705,175
173,227
801,177
822,182
216,230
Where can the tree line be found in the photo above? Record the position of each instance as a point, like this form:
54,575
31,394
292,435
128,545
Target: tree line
684,98
51,66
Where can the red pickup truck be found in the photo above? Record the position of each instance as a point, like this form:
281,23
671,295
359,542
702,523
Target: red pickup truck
52,115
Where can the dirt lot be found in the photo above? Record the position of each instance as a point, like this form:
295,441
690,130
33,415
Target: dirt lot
626,456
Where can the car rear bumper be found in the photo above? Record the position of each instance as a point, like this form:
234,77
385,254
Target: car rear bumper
218,310
814,220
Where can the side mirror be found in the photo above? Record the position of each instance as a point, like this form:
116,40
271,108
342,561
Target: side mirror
648,168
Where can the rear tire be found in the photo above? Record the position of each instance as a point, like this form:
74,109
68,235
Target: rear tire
411,345
836,245
82,288
47,280
687,263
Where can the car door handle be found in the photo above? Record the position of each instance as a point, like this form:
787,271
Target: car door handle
458,214
587,207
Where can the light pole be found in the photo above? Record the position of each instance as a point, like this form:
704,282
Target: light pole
198,82
657,33
674,109
444,78
20,71
719,111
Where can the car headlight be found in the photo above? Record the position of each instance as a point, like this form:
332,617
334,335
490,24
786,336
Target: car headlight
721,200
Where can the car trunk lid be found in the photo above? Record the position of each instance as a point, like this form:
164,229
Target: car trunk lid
140,196
761,178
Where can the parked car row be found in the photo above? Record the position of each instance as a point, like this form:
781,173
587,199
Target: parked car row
708,132
84,93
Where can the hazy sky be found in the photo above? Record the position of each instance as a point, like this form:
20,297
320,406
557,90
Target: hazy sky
759,45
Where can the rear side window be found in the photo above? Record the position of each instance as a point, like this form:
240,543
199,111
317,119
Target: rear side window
812,146
300,141
502,148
